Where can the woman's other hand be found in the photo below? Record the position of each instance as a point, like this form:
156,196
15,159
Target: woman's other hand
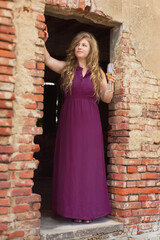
111,77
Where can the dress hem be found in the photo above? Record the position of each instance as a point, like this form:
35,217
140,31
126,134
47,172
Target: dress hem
83,218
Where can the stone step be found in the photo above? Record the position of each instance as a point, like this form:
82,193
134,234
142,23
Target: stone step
62,228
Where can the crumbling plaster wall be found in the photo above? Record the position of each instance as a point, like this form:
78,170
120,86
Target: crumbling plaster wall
141,18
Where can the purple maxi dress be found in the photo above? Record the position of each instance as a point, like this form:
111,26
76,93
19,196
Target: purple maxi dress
79,178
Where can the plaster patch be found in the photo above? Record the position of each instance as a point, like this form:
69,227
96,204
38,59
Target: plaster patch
135,110
137,138
26,38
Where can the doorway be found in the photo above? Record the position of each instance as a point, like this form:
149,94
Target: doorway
61,32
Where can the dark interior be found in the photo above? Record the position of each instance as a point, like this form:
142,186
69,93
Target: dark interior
61,32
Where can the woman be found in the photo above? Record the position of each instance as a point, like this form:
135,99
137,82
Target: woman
79,178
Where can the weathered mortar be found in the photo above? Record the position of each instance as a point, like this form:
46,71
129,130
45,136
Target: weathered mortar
26,37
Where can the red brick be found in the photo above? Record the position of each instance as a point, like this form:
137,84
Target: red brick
150,204
6,149
120,198
24,183
16,234
151,197
6,13
7,62
116,168
3,227
131,169
32,130
4,158
21,192
36,73
124,161
82,4
29,148
5,21
5,122
26,139
26,174
36,206
38,89
119,133
6,104
28,215
121,213
38,98
3,167
29,224
8,54
22,165
120,126
40,106
116,154
21,208
40,17
30,106
3,193
41,66
7,95
141,183
6,70
7,46
6,29
7,78
7,37
40,25
152,168
22,156
143,197
126,205
30,65
38,81
3,210
128,191
27,199
4,176
131,184
144,212
125,177
5,202
39,57
151,183
30,122
5,184
118,147
6,4
150,161
150,175
141,168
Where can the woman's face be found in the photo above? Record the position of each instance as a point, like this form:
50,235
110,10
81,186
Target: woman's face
82,49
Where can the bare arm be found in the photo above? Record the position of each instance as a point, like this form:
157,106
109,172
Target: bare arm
54,64
106,96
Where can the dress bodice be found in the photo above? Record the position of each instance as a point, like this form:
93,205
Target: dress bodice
82,86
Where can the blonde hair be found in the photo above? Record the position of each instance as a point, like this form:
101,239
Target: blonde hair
92,64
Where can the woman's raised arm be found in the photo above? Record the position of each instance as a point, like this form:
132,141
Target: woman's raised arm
54,64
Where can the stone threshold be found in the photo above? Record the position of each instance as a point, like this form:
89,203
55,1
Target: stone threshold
59,228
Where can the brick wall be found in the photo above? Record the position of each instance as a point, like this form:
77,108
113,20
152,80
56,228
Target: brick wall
134,137
21,97
134,128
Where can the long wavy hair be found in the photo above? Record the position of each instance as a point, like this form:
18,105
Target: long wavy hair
92,64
